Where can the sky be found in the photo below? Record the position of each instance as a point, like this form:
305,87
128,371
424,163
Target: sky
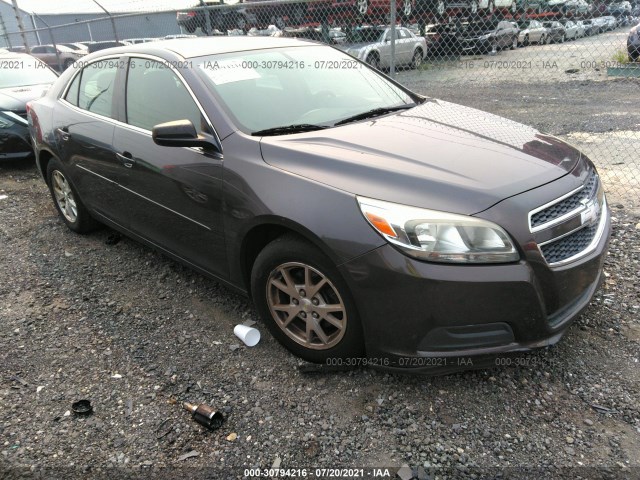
88,6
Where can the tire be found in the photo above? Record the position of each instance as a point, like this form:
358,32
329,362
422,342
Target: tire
241,22
190,27
66,200
67,63
525,41
279,22
362,7
407,9
416,61
374,60
316,325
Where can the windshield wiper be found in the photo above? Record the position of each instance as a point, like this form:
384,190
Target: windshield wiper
299,128
376,112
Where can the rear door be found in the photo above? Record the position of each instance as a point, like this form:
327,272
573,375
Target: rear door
176,193
84,121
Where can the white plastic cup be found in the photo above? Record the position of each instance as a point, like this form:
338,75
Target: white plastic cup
250,336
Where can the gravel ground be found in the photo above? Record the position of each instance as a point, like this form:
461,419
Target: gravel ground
91,317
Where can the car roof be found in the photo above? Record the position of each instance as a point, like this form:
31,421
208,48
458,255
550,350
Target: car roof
202,46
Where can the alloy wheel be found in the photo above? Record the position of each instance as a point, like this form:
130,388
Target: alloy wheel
306,306
64,196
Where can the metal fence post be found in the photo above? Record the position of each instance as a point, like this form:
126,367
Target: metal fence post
6,36
113,22
392,12
16,9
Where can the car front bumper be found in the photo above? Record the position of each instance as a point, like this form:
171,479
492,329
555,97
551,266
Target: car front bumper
437,318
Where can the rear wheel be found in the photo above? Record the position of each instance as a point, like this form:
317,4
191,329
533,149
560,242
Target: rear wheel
305,302
66,200
417,59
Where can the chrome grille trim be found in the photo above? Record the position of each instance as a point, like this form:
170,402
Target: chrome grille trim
589,189
602,222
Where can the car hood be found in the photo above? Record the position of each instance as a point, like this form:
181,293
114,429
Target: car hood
437,155
347,47
16,98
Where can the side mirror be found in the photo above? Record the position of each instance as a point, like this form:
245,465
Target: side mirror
180,133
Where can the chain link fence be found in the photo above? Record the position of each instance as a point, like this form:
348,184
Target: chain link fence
564,66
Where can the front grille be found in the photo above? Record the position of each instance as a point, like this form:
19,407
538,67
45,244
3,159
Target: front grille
567,205
570,245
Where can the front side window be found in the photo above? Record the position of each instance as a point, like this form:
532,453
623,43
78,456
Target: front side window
97,87
156,95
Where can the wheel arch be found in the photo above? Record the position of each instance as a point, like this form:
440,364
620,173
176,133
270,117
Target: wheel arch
43,157
265,231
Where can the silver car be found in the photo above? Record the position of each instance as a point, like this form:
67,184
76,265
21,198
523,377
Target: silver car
373,45
532,31
572,30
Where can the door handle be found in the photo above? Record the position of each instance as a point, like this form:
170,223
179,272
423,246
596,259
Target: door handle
64,133
126,159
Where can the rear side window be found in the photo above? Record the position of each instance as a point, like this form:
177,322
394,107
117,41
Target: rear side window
97,86
74,89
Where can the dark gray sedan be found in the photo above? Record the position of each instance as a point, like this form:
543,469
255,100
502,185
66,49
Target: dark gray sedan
370,225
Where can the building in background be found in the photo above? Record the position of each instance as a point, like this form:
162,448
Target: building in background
86,21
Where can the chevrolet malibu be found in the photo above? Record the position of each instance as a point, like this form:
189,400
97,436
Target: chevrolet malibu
369,224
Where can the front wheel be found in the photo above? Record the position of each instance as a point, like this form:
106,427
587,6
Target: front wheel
305,302
66,200
374,60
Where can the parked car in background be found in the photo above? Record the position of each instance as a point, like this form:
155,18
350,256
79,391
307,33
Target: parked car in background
619,7
443,39
555,32
411,228
531,31
485,36
576,8
633,44
78,47
532,6
587,27
58,57
610,22
373,45
572,30
220,18
22,79
135,41
503,5
96,46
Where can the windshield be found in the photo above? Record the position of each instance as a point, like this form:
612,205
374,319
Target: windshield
310,85
23,72
364,35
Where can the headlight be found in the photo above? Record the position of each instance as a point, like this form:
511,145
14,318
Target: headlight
439,236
